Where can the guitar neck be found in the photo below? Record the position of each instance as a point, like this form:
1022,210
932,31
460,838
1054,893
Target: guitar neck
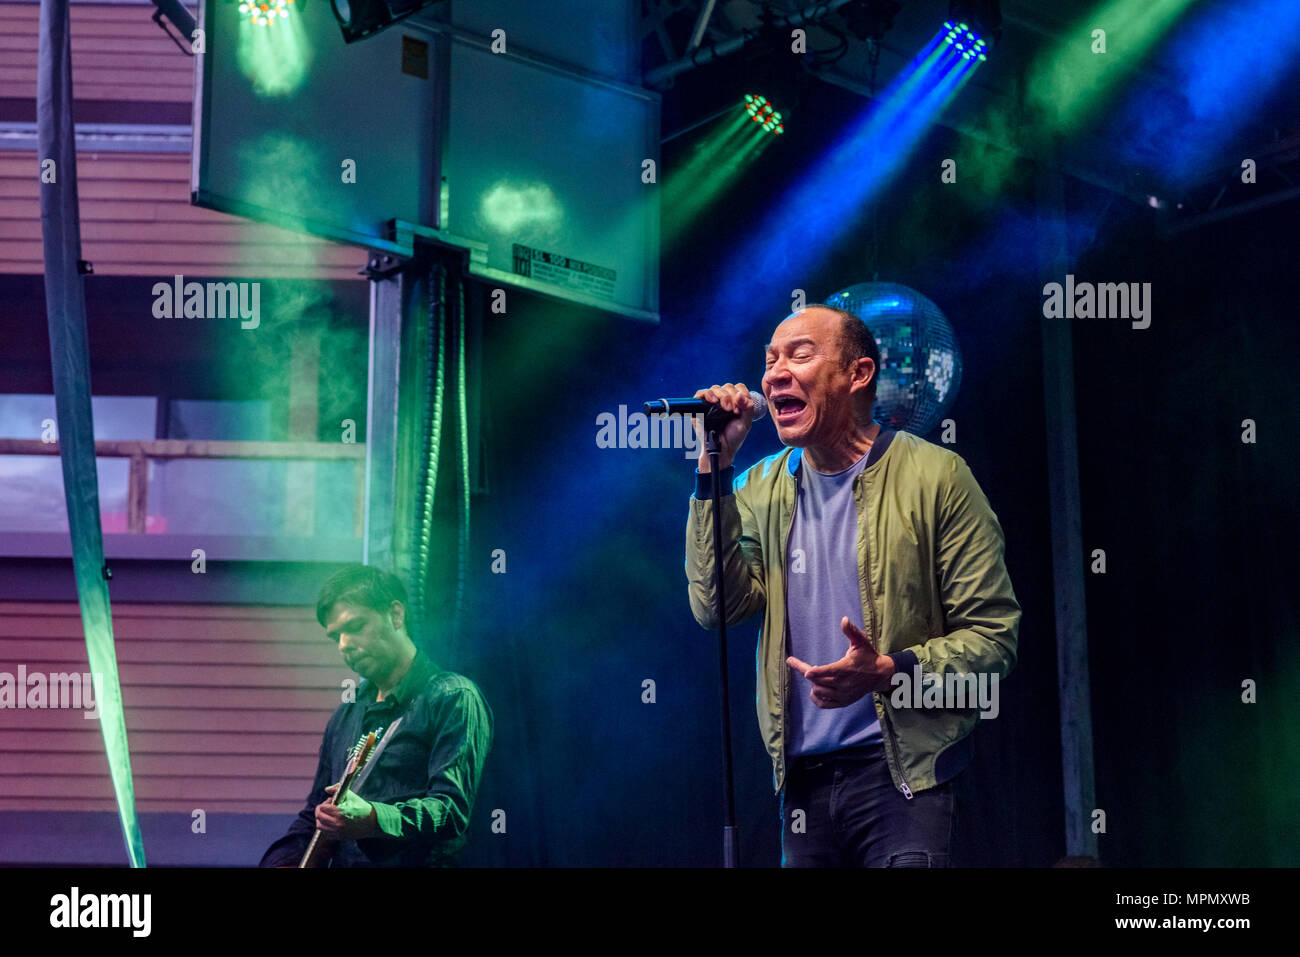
319,850
344,786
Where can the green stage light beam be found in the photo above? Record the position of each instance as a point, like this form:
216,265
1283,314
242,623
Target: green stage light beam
274,56
714,166
725,171
1067,83
1071,81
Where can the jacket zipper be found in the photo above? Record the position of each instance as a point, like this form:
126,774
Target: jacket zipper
893,738
875,639
785,634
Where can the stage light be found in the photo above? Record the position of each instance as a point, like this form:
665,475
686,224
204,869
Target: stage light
359,19
853,167
264,13
760,110
968,43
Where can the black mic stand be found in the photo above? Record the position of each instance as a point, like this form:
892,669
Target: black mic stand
730,836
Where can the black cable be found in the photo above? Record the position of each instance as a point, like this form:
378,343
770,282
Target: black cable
431,433
157,18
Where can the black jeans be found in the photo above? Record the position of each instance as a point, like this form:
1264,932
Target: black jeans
842,810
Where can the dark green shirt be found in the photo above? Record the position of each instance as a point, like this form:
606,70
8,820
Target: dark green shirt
423,784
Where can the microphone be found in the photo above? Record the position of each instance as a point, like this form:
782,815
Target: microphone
715,416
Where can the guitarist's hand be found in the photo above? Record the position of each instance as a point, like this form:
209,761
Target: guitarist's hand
352,819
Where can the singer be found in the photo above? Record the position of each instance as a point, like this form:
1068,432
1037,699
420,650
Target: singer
415,806
871,553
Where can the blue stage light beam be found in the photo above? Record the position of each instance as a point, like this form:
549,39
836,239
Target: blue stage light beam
1228,61
814,214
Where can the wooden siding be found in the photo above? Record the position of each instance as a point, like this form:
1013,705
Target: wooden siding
225,708
118,54
136,220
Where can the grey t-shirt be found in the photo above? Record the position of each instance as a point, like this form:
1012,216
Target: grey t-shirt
822,587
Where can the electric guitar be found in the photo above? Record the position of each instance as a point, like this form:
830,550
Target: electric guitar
364,754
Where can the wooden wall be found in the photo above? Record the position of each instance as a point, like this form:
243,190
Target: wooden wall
117,54
225,708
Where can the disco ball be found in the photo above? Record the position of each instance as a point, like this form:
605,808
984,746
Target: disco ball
920,361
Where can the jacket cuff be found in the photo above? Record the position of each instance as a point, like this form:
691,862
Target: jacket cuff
704,483
389,820
904,661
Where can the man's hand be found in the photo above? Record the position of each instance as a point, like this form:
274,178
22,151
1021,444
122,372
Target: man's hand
352,819
733,398
858,673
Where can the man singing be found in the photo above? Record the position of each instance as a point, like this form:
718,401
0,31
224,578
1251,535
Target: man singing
857,538
415,805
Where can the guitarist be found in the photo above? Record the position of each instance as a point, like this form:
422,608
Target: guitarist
414,806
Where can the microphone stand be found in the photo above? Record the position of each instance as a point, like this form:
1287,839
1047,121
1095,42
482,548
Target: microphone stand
730,836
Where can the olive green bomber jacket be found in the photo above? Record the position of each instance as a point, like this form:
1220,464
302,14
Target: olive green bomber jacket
934,586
